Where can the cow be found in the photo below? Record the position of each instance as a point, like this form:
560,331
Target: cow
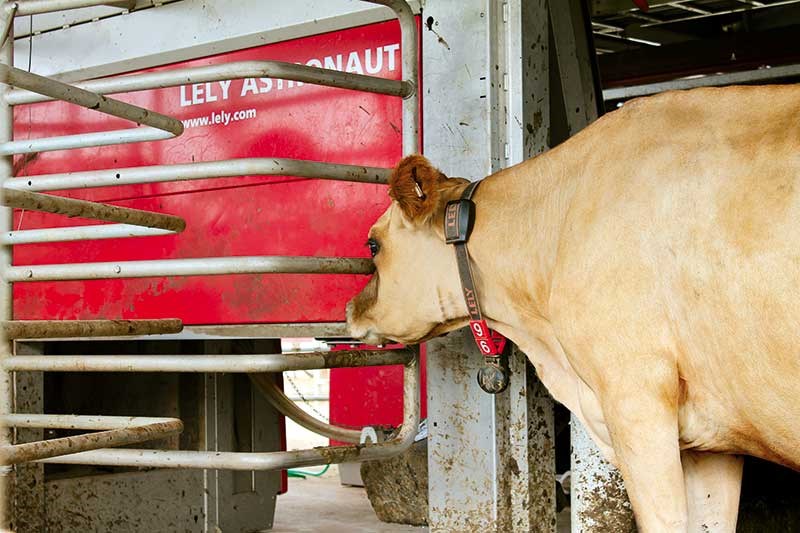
649,268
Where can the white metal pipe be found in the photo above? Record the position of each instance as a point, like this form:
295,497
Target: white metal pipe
229,71
6,293
32,451
202,266
270,460
257,363
79,233
85,422
260,166
84,140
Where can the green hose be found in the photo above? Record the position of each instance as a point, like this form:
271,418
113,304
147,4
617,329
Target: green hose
303,473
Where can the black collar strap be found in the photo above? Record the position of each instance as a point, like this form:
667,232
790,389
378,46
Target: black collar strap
459,219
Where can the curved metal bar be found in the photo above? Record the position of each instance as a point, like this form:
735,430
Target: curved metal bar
230,71
256,166
410,47
269,460
275,396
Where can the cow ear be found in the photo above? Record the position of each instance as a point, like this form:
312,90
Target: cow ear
414,185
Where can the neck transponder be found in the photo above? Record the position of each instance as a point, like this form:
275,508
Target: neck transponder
459,217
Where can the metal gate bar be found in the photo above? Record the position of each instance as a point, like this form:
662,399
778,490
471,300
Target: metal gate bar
268,460
256,166
201,266
207,363
229,71
70,207
80,233
406,88
49,329
157,126
136,430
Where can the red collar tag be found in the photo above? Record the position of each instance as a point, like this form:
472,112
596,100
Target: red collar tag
490,342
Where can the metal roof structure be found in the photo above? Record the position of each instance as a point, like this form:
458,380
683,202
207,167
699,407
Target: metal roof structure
620,26
692,37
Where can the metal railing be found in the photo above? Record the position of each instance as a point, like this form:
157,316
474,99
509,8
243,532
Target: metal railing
94,448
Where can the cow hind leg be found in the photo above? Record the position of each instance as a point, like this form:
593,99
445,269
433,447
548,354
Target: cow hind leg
713,483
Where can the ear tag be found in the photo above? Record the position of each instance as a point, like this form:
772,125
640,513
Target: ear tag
417,188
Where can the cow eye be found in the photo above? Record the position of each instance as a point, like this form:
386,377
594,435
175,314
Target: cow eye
374,247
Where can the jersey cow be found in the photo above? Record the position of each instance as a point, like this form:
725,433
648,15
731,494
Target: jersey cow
649,268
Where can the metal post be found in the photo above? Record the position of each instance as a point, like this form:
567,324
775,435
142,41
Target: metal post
6,304
491,457
598,499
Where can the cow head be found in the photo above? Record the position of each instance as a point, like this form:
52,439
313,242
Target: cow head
415,293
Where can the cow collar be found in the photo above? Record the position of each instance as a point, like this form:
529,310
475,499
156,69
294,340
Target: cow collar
459,219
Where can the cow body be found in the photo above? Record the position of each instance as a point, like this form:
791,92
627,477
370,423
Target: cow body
649,268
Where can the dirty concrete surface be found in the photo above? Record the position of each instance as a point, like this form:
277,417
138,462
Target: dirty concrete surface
323,504
313,505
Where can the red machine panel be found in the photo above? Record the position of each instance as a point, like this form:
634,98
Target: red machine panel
232,216
236,216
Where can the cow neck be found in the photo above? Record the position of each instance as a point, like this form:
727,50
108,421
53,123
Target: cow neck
458,223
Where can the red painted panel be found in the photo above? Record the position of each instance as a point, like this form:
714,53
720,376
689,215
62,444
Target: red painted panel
237,216
371,396
234,216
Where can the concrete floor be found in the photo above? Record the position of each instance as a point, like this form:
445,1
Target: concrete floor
315,505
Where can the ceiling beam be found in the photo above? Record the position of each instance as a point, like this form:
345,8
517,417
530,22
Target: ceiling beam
609,7
728,54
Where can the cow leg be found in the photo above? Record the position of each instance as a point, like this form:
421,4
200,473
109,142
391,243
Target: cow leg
713,484
640,408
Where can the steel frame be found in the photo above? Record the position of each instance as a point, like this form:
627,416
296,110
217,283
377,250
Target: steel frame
611,26
157,127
